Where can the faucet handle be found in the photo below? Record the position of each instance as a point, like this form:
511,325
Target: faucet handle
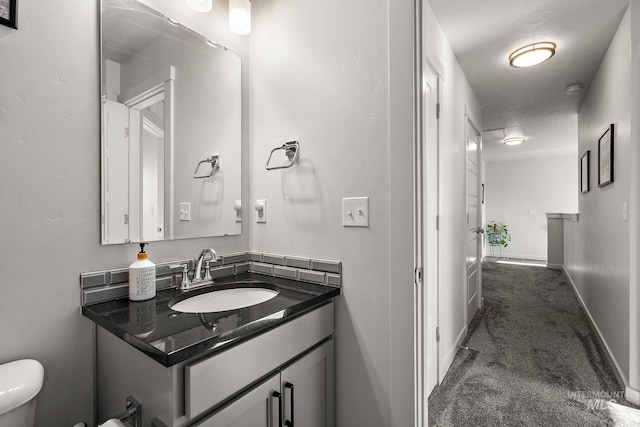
207,270
184,283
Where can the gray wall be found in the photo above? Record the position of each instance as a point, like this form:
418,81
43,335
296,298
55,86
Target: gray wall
321,74
515,187
329,90
597,246
50,198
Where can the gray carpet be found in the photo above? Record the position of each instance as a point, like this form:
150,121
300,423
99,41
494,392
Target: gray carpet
532,360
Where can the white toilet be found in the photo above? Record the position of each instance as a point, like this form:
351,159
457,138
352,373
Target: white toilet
20,383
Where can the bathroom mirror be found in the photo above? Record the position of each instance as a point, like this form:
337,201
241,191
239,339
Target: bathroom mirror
171,129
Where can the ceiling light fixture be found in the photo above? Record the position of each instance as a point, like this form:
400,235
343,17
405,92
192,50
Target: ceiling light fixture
240,16
573,89
514,140
202,6
532,54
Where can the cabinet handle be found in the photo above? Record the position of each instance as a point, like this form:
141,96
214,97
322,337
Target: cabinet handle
289,423
278,395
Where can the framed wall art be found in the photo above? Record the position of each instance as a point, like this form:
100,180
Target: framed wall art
8,13
585,172
605,157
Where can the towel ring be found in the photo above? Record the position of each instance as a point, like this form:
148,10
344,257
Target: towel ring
214,161
291,149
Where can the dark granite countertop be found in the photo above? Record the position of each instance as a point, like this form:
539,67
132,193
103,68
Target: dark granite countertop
171,337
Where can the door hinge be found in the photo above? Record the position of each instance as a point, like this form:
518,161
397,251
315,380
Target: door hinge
126,219
437,222
438,334
126,132
418,275
438,110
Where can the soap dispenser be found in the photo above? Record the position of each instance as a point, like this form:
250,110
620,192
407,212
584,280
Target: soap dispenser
142,278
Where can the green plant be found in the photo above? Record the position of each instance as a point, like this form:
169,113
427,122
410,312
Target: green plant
498,234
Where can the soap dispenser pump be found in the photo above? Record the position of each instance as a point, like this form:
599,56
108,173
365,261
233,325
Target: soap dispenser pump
142,277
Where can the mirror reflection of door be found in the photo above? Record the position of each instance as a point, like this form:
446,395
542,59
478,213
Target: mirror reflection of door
134,159
152,177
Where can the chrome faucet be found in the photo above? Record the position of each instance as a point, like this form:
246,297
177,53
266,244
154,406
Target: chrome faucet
197,276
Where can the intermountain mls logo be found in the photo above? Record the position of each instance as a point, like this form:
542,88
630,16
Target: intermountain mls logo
596,400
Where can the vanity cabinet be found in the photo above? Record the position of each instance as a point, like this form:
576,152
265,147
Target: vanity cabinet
300,394
237,386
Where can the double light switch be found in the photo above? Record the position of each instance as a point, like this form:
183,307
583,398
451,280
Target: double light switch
355,212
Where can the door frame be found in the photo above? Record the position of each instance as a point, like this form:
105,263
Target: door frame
425,228
430,213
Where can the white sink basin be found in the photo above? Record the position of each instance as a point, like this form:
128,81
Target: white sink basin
223,300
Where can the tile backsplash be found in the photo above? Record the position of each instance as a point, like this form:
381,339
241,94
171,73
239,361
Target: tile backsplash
106,285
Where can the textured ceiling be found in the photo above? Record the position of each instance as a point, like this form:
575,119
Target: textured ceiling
529,102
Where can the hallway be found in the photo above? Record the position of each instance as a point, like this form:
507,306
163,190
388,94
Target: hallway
530,358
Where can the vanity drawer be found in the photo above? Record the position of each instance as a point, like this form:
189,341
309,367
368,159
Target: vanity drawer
209,381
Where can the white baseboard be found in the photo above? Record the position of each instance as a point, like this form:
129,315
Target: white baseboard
632,395
517,256
608,353
451,354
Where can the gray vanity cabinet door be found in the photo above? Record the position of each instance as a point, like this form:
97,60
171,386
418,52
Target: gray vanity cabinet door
256,408
307,389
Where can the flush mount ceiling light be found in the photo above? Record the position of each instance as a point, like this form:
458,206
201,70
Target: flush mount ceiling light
532,54
202,6
573,89
240,16
514,140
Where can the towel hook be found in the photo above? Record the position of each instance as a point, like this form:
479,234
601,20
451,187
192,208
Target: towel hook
291,149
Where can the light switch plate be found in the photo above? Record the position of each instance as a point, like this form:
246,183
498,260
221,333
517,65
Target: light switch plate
185,211
355,212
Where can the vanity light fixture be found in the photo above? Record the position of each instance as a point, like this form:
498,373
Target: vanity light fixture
240,17
514,140
202,6
532,54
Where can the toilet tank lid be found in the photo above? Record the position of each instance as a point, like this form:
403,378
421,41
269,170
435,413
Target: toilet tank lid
20,381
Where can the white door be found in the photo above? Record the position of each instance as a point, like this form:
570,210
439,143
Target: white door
426,245
430,213
473,228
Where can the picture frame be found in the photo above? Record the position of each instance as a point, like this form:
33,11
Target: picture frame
605,157
585,172
8,13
